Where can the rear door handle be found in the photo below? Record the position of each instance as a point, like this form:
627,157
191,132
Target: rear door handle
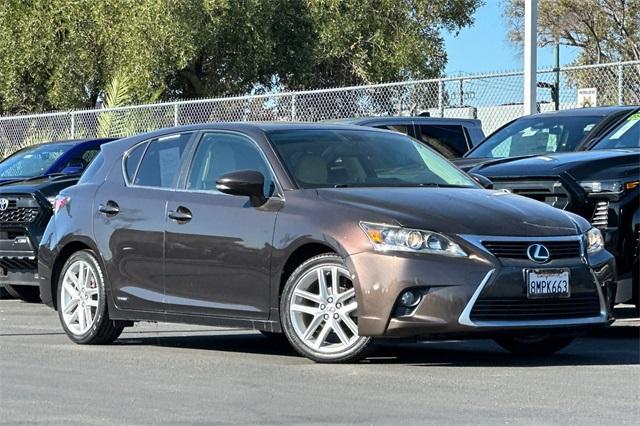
111,208
180,215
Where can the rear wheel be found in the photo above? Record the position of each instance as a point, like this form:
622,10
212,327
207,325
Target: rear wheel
82,305
318,310
26,293
534,345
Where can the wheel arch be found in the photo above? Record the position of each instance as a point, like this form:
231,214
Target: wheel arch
65,252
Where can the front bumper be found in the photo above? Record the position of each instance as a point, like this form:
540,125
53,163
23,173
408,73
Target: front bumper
18,264
451,288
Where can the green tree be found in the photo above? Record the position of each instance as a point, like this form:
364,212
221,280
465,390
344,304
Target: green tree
604,30
60,54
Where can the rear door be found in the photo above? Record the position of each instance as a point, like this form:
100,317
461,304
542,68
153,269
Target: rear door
130,220
218,247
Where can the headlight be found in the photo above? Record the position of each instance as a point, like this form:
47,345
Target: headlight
608,186
396,238
595,242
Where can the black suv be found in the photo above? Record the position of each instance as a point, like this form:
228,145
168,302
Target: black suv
29,181
451,137
601,182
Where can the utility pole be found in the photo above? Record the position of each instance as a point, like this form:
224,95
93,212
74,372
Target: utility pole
530,59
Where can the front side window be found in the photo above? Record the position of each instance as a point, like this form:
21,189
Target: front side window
161,163
32,161
344,158
624,135
537,135
221,153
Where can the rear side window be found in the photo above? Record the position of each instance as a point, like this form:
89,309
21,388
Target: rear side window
132,160
161,162
448,140
400,128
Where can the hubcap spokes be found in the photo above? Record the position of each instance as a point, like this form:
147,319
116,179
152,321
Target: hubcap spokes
323,310
79,298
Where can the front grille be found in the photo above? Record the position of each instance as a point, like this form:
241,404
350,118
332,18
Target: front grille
600,217
551,192
561,249
19,215
18,264
522,309
19,209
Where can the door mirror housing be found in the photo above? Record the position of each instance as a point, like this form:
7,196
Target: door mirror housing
248,183
72,169
484,181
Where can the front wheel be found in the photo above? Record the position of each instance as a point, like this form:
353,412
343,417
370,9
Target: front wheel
82,304
318,311
26,293
534,345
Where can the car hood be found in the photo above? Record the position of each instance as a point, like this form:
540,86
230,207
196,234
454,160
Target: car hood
581,165
458,210
47,185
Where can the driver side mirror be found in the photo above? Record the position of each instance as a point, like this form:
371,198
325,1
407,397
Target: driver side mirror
484,181
248,183
73,169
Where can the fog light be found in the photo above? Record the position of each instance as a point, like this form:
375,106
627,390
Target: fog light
409,298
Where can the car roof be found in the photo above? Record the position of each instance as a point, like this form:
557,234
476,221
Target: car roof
403,120
581,112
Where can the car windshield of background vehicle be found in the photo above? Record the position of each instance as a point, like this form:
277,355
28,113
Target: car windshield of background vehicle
353,158
625,135
536,136
32,161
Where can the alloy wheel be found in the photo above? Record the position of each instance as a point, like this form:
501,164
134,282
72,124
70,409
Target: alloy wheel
79,297
323,310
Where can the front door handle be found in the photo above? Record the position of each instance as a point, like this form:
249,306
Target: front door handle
111,208
180,215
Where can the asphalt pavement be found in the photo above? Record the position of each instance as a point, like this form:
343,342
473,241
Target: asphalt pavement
170,374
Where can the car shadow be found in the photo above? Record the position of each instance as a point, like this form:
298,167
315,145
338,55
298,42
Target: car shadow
588,350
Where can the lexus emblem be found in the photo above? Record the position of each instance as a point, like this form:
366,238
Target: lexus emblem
538,253
4,203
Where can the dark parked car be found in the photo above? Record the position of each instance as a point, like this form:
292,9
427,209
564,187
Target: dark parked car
546,133
451,137
334,235
29,181
601,184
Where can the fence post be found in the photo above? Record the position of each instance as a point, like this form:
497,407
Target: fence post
293,107
620,84
441,98
461,92
175,114
73,124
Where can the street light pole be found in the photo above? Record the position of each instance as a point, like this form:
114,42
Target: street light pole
530,59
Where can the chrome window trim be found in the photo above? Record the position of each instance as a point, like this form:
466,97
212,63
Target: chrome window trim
278,193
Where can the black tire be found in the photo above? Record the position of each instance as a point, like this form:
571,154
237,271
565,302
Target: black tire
534,345
103,330
363,345
4,294
26,293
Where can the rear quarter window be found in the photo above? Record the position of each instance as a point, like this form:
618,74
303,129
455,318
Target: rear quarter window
449,140
132,160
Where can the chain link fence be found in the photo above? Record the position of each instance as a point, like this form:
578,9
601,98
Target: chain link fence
495,99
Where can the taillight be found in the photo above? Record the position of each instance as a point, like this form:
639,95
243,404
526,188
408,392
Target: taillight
60,202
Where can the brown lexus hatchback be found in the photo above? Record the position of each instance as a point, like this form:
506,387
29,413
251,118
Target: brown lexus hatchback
334,235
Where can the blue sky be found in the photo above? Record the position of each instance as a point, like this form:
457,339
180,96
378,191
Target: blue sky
484,46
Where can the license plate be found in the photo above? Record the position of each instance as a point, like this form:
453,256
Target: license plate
547,283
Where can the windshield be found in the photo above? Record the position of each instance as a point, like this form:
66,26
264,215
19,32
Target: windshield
343,158
536,135
32,161
624,135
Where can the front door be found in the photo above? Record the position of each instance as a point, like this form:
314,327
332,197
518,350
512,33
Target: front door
218,246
